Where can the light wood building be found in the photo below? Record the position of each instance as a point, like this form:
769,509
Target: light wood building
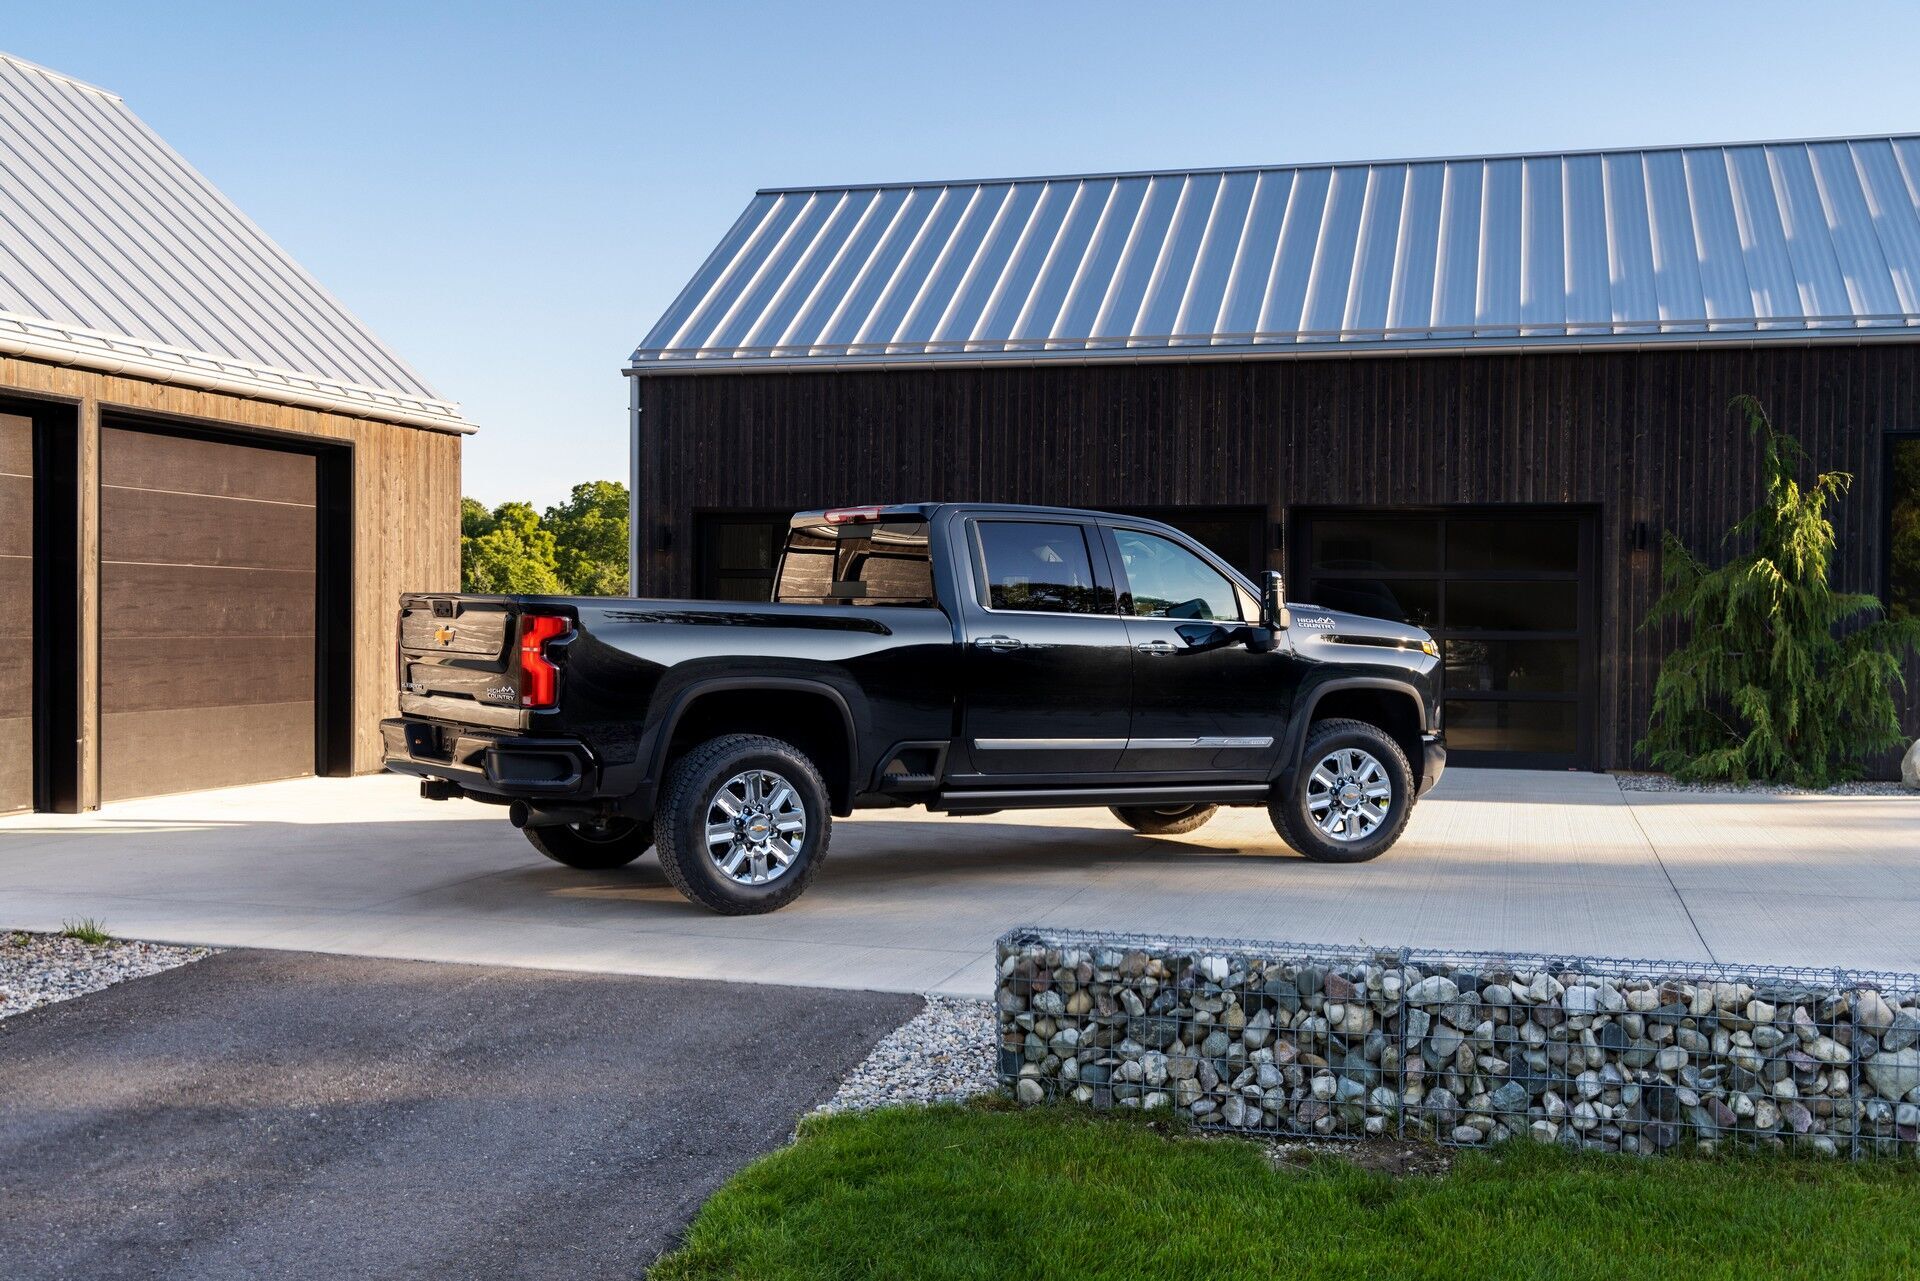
214,480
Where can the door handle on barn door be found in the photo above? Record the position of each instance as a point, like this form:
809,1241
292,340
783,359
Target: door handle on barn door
998,644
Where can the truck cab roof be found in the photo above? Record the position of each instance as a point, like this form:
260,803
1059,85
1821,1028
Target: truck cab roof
927,511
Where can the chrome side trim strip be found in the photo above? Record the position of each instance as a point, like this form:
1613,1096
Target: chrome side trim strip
1047,744
1216,743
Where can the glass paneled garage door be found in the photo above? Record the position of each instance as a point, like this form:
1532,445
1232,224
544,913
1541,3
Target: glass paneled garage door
1507,593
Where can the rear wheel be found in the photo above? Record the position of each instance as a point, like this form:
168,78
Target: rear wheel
743,824
593,847
1351,797
1164,820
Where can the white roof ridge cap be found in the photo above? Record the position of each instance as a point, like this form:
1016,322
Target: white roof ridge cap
61,76
1190,171
80,339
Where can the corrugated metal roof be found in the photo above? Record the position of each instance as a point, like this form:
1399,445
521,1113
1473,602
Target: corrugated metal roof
1750,242
116,254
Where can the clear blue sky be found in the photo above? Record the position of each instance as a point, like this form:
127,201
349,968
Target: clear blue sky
510,194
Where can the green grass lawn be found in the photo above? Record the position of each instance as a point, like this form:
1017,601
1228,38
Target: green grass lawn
1059,1194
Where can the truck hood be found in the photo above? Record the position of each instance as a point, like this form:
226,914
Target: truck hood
1312,620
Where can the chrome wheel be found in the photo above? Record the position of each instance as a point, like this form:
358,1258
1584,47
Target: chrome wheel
1348,794
756,825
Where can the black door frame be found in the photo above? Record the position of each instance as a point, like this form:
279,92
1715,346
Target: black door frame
1588,631
333,569
1889,442
55,751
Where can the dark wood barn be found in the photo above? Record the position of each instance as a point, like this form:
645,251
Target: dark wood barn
1469,393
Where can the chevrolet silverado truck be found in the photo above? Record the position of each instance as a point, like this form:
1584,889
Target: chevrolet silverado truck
966,657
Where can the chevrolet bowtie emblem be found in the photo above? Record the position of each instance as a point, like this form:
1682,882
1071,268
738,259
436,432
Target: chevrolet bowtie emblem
444,635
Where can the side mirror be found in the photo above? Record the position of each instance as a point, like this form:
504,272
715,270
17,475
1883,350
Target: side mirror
1273,601
1203,638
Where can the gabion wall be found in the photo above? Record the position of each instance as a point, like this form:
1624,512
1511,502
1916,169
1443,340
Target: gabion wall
1469,1049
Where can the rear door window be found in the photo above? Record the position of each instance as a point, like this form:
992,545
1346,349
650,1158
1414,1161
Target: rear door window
1038,567
858,563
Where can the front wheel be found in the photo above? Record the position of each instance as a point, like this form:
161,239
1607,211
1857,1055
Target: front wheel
1164,820
743,824
1351,797
593,847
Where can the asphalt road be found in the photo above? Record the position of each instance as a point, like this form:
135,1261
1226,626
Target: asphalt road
289,1115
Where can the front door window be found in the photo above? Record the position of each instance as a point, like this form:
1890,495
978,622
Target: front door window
1165,580
1201,708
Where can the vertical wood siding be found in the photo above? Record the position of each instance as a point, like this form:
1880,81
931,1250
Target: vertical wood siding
1645,436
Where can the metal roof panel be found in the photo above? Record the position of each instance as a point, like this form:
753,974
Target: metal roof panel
1543,249
1893,204
1416,250
1253,254
1583,234
1330,280
1284,308
1856,249
1632,292
1175,268
1375,251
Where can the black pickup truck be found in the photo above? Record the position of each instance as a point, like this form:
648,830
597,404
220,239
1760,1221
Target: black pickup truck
965,657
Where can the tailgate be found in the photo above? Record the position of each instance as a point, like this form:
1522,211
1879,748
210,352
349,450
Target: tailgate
459,661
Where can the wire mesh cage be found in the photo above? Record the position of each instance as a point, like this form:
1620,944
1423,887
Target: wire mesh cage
1884,1018
1280,1038
1470,1049
1626,1055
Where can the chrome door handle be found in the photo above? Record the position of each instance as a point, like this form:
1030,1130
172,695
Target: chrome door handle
1157,647
998,644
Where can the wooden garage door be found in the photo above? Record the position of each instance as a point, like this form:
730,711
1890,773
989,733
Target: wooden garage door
16,589
207,576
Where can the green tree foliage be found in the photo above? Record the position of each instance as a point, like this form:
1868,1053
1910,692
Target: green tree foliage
590,534
578,548
1781,677
475,519
505,550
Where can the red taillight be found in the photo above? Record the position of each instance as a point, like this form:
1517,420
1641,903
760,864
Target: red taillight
853,515
539,678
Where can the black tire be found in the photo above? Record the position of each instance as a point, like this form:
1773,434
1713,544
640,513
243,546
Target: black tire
593,847
1164,820
680,824
1291,811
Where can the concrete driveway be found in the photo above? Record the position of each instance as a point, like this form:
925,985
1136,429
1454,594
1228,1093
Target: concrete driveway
913,902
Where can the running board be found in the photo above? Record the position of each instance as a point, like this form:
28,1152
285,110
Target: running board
980,800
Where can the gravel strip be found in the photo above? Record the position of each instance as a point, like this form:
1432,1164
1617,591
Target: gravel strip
1667,783
39,969
940,1055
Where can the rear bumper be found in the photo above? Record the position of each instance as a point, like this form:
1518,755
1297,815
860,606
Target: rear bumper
1433,761
492,762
